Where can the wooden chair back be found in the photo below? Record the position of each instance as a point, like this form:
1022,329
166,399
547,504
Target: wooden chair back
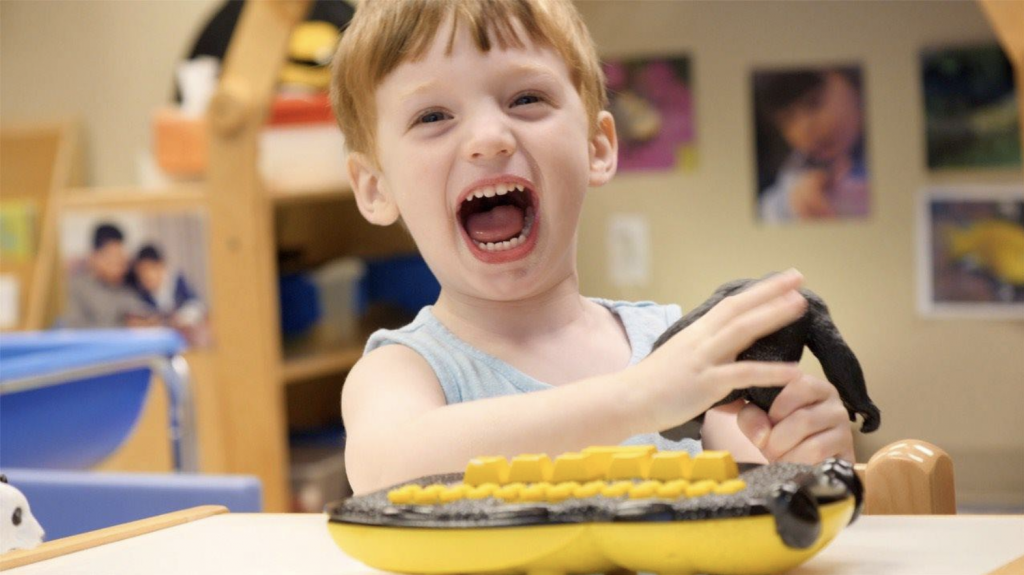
908,477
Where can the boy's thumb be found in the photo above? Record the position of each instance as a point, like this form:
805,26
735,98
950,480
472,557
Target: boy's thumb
754,423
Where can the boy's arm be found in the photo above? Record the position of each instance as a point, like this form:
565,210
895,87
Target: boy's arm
399,426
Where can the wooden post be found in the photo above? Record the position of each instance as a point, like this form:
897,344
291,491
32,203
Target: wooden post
247,329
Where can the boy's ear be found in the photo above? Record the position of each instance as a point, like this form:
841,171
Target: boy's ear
372,195
604,150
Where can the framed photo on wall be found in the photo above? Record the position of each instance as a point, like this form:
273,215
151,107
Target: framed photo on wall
136,268
971,113
652,102
810,141
971,252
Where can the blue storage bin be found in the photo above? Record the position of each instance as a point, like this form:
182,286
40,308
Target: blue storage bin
300,303
404,281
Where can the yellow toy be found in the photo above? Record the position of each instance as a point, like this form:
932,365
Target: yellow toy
310,50
599,510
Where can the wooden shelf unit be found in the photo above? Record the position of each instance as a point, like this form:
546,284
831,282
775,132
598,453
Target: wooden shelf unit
249,224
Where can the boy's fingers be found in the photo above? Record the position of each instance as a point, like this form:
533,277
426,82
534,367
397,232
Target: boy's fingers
803,392
754,423
740,333
762,292
789,433
743,374
817,448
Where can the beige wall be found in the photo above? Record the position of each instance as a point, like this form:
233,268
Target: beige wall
109,63
958,384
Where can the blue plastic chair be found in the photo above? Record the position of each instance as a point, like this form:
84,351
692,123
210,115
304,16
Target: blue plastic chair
71,502
69,398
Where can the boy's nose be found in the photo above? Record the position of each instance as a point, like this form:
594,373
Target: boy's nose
489,138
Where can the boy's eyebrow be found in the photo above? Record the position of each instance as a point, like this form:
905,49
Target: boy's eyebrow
521,69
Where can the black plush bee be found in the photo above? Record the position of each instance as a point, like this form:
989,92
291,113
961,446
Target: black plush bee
814,330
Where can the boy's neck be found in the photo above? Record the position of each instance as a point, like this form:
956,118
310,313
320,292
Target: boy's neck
542,314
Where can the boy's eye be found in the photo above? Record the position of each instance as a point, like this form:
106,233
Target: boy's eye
526,99
431,117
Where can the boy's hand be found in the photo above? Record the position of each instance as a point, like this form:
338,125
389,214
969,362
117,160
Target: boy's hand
697,367
807,423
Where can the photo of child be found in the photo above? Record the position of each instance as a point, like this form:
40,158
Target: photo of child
972,252
970,108
133,269
810,144
652,104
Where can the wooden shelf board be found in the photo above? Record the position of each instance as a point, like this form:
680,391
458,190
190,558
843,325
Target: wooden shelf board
289,197
180,197
309,365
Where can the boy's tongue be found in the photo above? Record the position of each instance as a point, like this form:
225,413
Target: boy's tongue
498,224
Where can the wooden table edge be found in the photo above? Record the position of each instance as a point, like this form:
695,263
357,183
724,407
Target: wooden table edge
75,543
1015,567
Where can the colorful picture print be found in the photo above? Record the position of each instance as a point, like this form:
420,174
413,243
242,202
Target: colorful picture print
136,269
811,162
972,248
970,108
652,102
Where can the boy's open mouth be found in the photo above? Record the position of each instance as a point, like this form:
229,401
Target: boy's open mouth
498,218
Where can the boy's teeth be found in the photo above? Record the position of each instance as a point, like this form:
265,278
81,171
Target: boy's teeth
497,190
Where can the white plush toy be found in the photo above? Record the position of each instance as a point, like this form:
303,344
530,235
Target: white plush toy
18,528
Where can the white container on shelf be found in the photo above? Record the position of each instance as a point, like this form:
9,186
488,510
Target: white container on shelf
337,283
303,158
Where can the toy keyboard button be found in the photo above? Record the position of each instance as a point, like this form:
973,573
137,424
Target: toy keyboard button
644,489
731,486
530,468
587,490
429,495
510,493
482,470
629,466
454,493
700,488
602,455
716,465
673,489
403,495
535,492
617,489
561,491
670,465
580,467
482,491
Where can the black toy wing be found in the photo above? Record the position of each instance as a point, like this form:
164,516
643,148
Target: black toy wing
839,364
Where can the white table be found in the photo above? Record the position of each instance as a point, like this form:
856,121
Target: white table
299,544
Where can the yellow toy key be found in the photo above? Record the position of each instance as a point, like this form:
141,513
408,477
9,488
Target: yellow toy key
714,465
530,468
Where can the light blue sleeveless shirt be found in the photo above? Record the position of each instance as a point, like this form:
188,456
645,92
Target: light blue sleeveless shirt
467,373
